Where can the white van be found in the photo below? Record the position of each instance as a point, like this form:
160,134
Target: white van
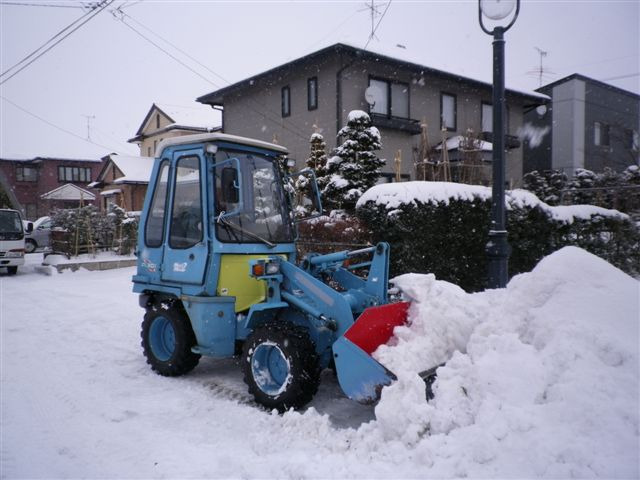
12,240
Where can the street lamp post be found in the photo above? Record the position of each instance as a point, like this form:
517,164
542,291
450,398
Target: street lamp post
498,249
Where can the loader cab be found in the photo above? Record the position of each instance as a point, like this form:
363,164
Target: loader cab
214,203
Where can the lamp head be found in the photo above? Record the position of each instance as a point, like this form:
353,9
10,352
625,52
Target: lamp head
497,10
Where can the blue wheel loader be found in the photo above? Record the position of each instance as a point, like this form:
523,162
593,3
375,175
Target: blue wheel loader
217,275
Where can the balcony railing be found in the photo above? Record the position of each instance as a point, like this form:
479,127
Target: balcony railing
403,124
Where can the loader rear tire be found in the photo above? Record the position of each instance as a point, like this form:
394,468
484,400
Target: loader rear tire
167,339
281,366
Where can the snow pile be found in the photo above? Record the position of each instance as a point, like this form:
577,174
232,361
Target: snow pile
394,195
541,378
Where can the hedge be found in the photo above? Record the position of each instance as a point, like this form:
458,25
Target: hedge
442,228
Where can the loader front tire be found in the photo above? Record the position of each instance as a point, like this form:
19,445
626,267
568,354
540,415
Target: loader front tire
167,339
281,366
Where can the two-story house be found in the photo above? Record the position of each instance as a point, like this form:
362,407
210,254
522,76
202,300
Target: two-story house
588,124
35,185
315,93
167,121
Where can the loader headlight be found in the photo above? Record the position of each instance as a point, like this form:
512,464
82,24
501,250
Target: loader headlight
262,268
272,268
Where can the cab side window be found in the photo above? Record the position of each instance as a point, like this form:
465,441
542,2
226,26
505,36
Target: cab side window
186,214
154,228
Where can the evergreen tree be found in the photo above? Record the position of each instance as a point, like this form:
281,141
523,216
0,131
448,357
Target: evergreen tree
583,179
354,167
316,162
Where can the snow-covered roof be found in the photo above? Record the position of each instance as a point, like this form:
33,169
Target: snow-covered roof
134,169
394,195
453,143
193,115
29,158
112,191
68,191
388,54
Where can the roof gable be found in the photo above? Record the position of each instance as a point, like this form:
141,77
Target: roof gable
132,169
196,116
150,114
68,191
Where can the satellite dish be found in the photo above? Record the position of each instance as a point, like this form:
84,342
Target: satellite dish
541,110
370,95
497,9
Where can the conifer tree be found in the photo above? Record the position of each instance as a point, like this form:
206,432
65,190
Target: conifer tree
354,167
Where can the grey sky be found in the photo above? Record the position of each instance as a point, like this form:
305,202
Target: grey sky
107,71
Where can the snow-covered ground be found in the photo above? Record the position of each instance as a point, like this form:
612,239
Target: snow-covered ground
541,380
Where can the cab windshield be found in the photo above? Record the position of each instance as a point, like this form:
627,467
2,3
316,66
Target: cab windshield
261,215
10,225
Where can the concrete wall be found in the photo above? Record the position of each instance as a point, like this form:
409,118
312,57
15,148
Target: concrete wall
620,112
256,111
577,104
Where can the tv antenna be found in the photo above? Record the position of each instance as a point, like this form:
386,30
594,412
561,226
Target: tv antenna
540,71
373,9
89,118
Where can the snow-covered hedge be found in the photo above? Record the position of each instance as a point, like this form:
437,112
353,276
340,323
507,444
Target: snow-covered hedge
88,229
442,228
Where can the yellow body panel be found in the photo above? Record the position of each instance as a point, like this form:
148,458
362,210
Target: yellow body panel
235,281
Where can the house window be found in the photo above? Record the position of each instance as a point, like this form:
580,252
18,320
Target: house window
286,101
74,174
487,118
601,134
158,120
148,151
312,93
631,139
448,112
390,98
26,174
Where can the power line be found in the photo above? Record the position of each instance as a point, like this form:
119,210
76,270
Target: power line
619,77
186,54
18,4
267,113
44,44
104,4
377,25
162,49
57,127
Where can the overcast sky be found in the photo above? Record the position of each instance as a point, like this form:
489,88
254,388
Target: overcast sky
107,71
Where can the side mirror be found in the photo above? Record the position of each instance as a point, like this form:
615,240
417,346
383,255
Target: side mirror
229,197
229,185
29,227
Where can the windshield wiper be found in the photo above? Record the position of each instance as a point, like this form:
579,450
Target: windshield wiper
226,223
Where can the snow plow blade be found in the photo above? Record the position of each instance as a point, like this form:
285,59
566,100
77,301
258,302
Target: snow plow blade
360,376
